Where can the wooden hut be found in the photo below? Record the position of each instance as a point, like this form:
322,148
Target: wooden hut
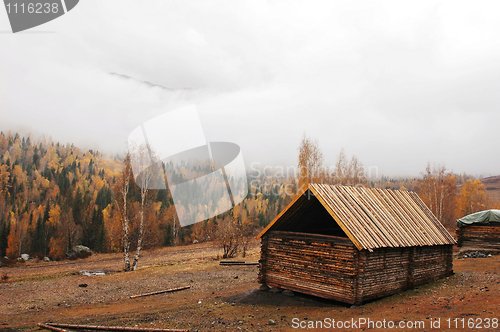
354,244
480,231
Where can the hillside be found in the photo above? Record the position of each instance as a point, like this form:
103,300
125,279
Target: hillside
54,196
492,184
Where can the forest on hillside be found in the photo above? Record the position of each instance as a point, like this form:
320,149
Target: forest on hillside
54,196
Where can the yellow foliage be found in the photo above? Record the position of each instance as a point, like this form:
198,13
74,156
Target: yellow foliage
53,160
473,198
99,184
15,152
57,248
112,223
13,241
54,216
4,177
156,206
45,183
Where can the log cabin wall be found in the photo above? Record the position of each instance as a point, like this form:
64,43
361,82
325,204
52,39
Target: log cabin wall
432,263
319,265
331,267
479,237
387,271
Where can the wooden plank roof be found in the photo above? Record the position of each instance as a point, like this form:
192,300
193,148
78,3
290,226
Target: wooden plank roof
374,218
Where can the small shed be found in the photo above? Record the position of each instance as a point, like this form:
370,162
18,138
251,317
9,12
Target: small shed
354,244
480,231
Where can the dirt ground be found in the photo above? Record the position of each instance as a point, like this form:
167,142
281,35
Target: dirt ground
227,298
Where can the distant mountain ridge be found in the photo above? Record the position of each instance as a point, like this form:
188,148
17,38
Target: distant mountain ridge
149,84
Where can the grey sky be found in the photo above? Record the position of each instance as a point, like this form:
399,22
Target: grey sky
397,85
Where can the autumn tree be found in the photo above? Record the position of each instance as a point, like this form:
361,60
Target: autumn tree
310,162
341,170
350,173
472,198
58,227
13,240
69,230
356,173
247,236
228,237
438,190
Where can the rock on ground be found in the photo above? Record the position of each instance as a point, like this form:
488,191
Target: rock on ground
79,252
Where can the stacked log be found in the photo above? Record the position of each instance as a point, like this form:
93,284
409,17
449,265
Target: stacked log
480,236
390,270
332,267
432,263
385,272
319,265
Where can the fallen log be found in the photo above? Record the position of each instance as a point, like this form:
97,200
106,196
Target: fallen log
231,262
161,292
56,327
237,263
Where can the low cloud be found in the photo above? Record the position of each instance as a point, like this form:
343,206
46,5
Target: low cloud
397,86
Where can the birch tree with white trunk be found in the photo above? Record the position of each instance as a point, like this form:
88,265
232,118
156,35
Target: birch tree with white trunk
121,200
151,172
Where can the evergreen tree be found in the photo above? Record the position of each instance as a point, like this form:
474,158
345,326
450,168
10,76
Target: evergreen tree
104,198
5,230
262,219
163,198
97,231
77,207
168,238
38,244
46,212
101,238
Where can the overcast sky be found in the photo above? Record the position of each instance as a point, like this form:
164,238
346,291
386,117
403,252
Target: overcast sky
395,84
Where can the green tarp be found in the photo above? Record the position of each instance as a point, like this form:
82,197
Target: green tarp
478,218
